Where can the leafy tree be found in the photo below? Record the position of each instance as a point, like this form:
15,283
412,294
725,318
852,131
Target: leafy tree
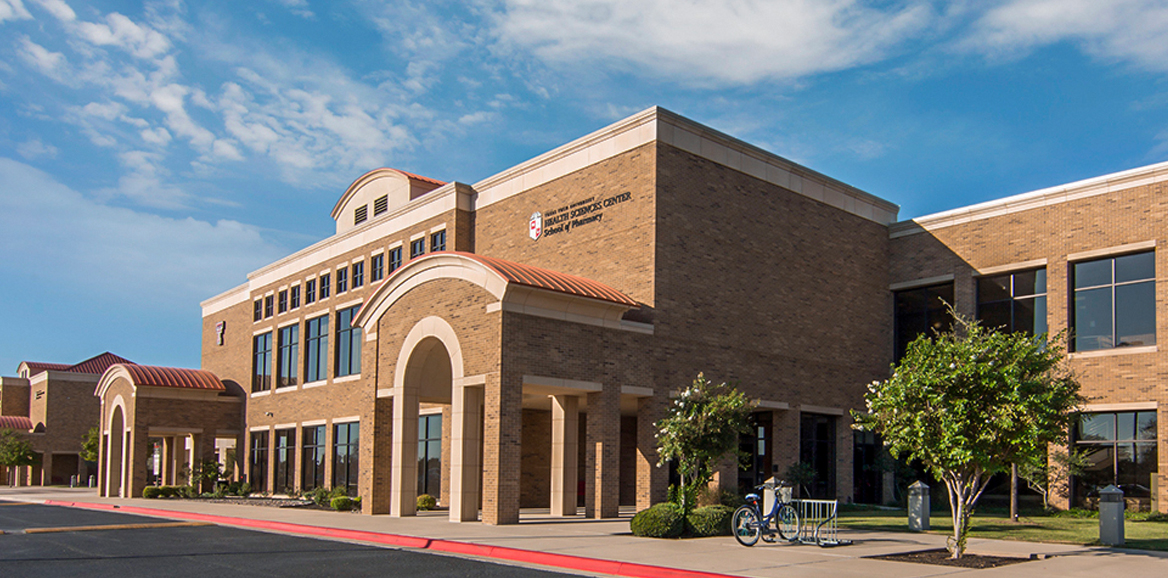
1038,476
703,426
15,450
90,444
969,402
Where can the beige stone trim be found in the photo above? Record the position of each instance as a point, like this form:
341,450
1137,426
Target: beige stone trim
637,327
925,282
377,251
1113,351
1021,266
1109,251
392,246
288,323
471,380
768,404
156,431
428,327
260,428
316,383
384,392
289,389
261,393
285,426
146,391
437,228
1120,406
313,422
820,409
636,391
226,299
417,236
347,378
429,411
347,419
55,375
347,304
266,329
536,384
118,403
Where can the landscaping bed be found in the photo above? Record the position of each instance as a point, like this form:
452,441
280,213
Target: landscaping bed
941,557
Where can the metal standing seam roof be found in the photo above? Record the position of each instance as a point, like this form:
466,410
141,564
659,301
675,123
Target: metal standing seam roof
35,367
152,376
16,422
420,178
540,278
98,364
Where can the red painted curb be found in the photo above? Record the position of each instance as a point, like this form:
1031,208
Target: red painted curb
578,563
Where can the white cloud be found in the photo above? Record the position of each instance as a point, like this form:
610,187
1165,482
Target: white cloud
13,10
1121,30
297,7
59,9
125,255
734,41
51,64
139,40
34,148
159,136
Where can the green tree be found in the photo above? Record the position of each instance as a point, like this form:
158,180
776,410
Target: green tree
15,450
703,426
1036,472
969,402
90,444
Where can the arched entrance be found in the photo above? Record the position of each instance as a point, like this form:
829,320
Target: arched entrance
116,466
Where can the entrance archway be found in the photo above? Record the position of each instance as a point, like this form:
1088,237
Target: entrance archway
116,467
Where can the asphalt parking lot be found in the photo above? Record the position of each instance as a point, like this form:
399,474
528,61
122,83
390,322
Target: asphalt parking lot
53,541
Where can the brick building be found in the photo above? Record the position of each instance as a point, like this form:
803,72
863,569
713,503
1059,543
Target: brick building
508,344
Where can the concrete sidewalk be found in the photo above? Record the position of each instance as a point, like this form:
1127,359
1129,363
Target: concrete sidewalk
607,547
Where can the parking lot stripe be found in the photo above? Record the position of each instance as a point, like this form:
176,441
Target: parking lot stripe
115,527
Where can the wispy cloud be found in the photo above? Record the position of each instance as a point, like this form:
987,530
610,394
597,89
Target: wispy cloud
13,10
34,148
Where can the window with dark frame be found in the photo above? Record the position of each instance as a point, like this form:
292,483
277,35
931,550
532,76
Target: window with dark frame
1013,302
258,313
395,259
1114,302
257,471
285,461
261,377
282,301
358,274
294,296
380,205
1119,448
417,248
918,311
312,457
438,241
310,291
325,286
267,306
430,454
346,466
360,214
316,349
817,448
348,360
288,356
342,280
376,268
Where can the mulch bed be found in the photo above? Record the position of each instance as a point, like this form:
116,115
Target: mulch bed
941,557
268,502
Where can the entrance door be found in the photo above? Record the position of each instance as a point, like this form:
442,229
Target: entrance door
817,448
430,455
755,450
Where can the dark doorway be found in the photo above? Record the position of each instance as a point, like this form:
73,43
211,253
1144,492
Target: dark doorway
817,448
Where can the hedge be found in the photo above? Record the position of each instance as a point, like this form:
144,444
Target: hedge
664,520
710,521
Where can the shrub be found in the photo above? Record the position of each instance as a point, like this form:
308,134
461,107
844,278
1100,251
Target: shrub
427,502
342,503
323,496
664,520
710,521
152,492
715,496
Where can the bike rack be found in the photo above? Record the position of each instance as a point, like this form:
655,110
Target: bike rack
818,523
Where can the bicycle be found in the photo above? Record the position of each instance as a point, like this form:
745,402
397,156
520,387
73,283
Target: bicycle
748,523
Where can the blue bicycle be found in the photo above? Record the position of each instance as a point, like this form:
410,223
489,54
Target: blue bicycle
749,524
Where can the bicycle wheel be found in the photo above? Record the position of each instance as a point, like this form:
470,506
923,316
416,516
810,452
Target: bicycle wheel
745,526
787,521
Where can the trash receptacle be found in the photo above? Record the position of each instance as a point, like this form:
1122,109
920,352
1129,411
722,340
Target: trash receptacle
1111,507
918,506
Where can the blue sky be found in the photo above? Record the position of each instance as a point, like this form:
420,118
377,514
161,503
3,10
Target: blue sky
151,154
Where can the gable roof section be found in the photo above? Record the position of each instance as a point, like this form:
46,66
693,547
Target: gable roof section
16,422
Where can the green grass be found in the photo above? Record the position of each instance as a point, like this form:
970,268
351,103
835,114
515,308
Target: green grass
1032,527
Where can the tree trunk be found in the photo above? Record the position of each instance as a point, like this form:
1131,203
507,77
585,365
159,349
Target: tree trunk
1013,492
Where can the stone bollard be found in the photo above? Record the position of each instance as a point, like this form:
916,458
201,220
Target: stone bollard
92,481
1111,516
918,507
73,481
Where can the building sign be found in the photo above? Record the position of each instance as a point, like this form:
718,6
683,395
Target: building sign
578,214
219,328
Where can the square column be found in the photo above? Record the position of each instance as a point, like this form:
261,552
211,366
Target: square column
565,443
502,448
652,481
167,468
602,481
465,442
379,438
403,492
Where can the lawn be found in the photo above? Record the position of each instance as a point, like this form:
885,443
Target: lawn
1031,527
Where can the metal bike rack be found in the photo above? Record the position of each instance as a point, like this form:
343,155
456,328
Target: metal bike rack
818,523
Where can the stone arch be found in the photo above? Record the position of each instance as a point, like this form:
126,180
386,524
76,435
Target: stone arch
115,462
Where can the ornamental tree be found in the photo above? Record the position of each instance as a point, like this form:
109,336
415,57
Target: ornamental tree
91,444
703,425
15,450
969,402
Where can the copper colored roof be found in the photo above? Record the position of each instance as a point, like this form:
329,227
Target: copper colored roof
35,367
98,364
148,375
420,178
16,422
541,278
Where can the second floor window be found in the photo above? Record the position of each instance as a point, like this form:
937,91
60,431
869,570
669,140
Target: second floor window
261,376
377,268
358,274
1013,302
438,241
395,259
1114,302
316,349
920,311
348,343
417,248
282,302
310,291
342,280
324,285
288,357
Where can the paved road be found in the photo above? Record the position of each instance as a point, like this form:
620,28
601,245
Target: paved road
53,541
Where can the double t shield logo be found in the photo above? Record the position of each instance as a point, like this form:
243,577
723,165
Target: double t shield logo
535,226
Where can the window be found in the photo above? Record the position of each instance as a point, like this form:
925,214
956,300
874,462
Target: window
360,214
417,248
288,356
312,458
430,455
817,449
310,291
358,274
258,464
285,462
1014,301
261,377
348,343
345,456
324,286
294,296
316,349
258,313
438,241
376,268
394,259
1114,302
282,302
1119,448
342,280
921,311
267,306
380,205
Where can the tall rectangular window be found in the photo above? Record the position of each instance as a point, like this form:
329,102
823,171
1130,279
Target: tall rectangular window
325,286
316,349
438,241
345,456
342,280
1013,302
261,377
288,356
921,311
282,302
285,461
294,296
1114,302
817,449
312,457
417,248
267,306
348,343
377,268
310,291
258,312
1119,448
257,470
430,454
395,259
358,274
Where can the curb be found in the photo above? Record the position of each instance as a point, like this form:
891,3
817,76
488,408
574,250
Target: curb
565,561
